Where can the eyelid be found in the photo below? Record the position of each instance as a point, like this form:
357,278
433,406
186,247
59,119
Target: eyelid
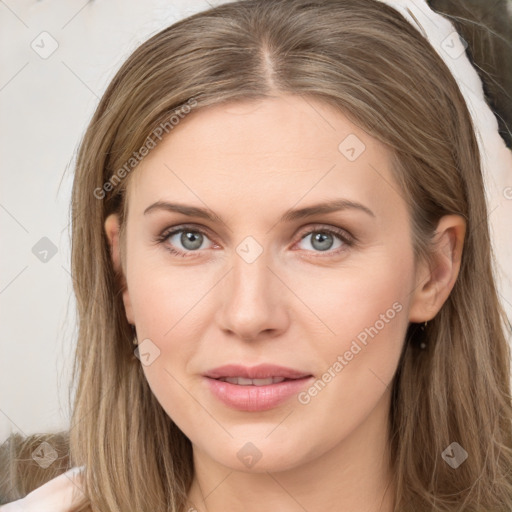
169,231
184,227
342,233
345,236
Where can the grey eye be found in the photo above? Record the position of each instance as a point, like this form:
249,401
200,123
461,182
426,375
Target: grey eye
321,241
190,240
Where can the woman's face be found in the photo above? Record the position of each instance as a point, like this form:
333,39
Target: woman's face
269,280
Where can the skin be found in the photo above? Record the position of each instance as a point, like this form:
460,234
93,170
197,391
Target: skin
295,305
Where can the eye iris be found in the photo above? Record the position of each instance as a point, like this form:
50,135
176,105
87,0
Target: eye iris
321,238
187,237
192,240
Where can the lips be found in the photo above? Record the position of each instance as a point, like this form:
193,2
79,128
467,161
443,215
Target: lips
255,388
253,398
256,374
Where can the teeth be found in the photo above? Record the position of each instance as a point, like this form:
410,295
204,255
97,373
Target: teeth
242,381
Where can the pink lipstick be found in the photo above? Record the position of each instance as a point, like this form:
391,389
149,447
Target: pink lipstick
256,388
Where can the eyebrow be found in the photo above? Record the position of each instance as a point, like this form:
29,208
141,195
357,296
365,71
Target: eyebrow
288,216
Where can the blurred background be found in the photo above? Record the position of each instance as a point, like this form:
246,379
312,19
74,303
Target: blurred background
57,57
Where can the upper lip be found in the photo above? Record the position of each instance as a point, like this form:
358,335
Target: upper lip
261,371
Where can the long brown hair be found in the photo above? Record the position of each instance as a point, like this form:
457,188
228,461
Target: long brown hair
364,59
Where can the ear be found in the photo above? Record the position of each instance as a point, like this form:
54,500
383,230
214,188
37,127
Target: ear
112,230
436,278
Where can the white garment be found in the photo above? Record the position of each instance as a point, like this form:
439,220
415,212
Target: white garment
62,494
496,158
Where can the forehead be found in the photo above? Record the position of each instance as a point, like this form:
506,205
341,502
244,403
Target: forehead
260,153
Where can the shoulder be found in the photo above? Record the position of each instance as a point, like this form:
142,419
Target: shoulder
61,494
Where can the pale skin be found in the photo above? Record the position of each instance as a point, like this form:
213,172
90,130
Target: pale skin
295,305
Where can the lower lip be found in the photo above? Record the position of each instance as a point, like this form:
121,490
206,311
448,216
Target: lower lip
256,398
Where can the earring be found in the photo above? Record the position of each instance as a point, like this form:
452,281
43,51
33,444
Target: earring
135,340
423,345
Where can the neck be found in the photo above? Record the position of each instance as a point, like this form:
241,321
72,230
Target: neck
354,475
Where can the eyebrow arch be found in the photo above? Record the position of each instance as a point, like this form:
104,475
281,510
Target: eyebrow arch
289,215
328,207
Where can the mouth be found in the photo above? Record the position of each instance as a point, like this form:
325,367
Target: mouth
258,388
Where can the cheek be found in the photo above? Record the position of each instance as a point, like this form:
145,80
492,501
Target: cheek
364,301
167,303
165,316
163,296
364,315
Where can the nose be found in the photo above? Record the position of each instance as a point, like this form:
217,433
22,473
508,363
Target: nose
254,300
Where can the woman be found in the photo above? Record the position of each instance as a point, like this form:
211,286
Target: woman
282,206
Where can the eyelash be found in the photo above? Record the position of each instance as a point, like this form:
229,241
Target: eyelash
347,239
